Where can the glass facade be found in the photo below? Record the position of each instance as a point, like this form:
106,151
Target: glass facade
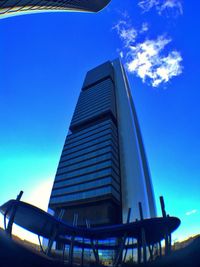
89,167
16,7
103,170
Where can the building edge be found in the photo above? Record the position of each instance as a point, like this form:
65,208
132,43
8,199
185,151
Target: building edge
132,147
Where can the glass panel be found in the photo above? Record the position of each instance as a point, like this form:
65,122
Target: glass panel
85,186
85,195
87,177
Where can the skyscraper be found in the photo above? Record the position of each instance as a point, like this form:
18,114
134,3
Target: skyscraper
103,169
14,7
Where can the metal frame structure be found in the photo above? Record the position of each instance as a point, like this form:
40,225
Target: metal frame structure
146,232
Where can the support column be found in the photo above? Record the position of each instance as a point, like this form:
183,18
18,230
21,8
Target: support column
144,248
95,251
82,255
160,249
138,251
71,249
127,221
51,240
151,252
167,238
143,236
12,215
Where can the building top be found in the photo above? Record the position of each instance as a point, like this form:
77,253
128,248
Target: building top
100,73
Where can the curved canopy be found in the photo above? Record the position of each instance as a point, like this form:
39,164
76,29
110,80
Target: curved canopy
43,224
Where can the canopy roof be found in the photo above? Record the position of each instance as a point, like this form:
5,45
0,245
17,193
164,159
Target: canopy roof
43,224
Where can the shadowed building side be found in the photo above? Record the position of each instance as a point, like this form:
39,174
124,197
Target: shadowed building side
18,7
88,178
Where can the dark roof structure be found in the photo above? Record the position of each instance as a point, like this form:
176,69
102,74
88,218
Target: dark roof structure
43,224
18,7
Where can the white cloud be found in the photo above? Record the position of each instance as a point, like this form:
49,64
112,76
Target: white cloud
127,33
145,27
146,5
188,213
121,54
167,7
149,59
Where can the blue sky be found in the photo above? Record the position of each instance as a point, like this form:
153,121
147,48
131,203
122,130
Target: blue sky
44,58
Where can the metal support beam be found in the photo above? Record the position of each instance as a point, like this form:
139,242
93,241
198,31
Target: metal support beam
132,250
61,214
12,215
125,254
5,215
121,248
167,235
54,233
160,249
71,251
162,204
63,253
143,236
95,251
144,245
138,250
151,252
40,243
51,240
127,221
141,211
170,242
82,254
128,216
